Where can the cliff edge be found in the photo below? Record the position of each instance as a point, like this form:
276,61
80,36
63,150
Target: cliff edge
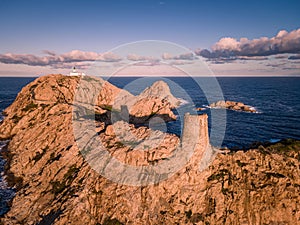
56,185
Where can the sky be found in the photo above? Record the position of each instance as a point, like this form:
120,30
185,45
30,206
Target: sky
230,37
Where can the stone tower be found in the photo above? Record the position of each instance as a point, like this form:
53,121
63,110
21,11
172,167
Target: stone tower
195,129
195,137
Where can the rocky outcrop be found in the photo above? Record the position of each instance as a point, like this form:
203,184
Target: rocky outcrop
160,89
154,100
236,106
55,93
57,185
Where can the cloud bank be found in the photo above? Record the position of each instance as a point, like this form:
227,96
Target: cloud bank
135,57
59,61
242,55
227,47
186,56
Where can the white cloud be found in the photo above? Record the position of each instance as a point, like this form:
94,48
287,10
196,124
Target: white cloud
56,61
185,56
227,43
283,42
135,57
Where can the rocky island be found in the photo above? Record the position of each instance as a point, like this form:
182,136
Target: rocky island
55,184
236,106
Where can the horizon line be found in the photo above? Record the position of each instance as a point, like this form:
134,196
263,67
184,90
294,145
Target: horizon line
33,76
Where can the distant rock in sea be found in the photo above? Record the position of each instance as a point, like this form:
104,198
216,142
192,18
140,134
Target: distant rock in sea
56,185
200,108
236,106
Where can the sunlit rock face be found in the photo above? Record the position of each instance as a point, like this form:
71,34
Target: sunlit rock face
57,185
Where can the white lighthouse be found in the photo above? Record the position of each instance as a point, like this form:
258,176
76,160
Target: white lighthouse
75,73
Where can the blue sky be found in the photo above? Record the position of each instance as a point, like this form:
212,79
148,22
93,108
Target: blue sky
29,27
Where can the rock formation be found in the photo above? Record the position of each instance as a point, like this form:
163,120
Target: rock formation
154,100
236,106
161,90
56,185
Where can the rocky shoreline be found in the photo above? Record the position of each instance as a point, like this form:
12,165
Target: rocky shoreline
56,184
7,189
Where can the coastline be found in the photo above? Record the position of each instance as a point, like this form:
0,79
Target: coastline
53,179
7,184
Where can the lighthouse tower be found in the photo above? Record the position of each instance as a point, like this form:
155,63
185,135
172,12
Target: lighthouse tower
75,73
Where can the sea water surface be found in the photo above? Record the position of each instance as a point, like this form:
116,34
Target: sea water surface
277,100
9,88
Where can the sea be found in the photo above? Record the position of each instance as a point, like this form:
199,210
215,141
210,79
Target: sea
276,100
9,88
